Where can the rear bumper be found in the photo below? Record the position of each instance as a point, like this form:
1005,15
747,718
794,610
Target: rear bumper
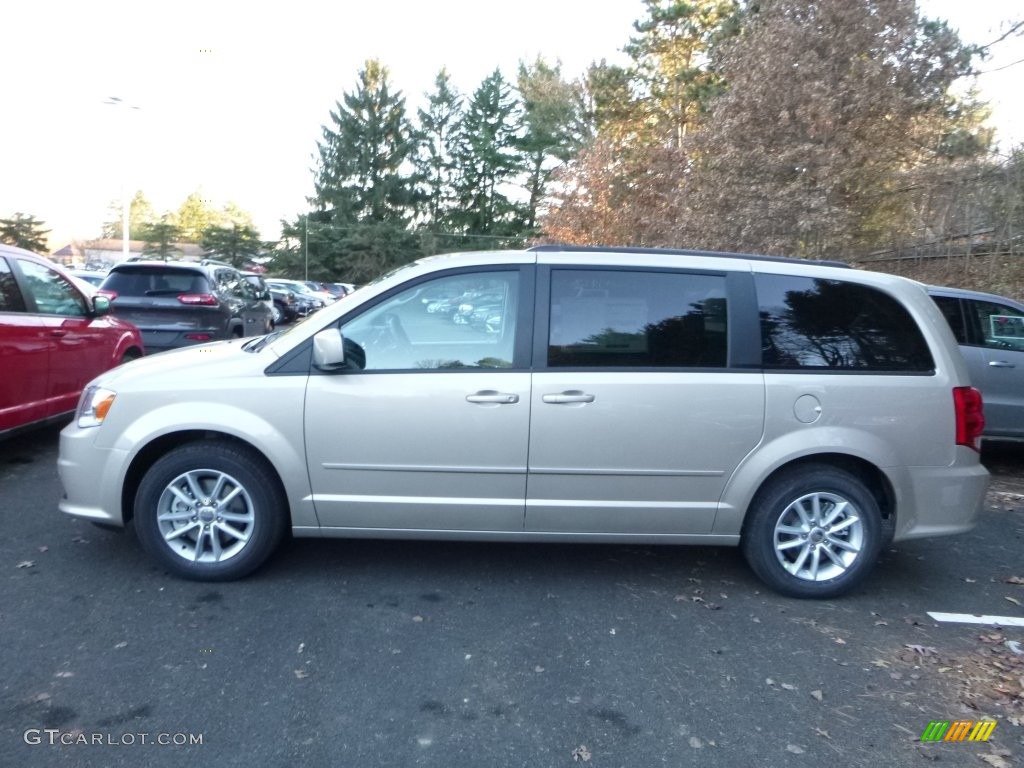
941,501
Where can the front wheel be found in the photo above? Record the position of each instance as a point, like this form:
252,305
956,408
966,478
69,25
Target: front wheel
815,531
207,511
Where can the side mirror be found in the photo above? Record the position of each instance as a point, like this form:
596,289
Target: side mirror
100,305
329,350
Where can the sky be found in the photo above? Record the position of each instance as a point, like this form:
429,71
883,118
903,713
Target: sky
228,98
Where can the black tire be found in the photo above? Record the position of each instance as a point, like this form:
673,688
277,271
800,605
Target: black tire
225,539
813,532
131,354
276,315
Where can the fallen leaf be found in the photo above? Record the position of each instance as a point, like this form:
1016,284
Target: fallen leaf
417,619
996,761
881,623
301,646
880,663
26,564
65,674
769,681
43,549
840,641
122,644
795,749
817,695
581,753
538,669
696,743
80,540
971,581
1015,580
789,686
300,673
922,650
1013,600
822,733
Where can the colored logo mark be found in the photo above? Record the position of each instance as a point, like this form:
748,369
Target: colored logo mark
958,730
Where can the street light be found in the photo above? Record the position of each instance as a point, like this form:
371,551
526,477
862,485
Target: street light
116,101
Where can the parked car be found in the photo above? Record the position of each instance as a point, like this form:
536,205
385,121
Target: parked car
990,331
259,284
54,337
286,306
304,300
89,276
805,412
178,304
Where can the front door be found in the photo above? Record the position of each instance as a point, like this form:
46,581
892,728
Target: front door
427,428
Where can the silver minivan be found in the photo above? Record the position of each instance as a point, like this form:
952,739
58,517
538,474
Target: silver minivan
805,412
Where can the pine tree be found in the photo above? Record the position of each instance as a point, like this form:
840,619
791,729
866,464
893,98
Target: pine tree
487,159
671,56
236,244
24,231
363,159
439,134
553,130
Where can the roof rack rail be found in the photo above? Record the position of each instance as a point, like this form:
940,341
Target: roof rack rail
683,252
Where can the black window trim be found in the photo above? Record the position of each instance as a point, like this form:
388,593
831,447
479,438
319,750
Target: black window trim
521,344
743,349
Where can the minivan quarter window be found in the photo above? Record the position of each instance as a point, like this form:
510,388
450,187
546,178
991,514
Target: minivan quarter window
813,323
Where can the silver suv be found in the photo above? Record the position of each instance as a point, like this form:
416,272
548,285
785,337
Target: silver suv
807,413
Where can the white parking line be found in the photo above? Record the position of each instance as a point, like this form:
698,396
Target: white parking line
973,618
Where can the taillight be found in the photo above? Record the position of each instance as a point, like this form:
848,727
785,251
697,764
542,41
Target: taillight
970,417
198,336
204,299
106,292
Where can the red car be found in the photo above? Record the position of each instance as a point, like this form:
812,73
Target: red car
54,338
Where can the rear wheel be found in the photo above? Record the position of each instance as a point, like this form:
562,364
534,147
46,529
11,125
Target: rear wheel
814,531
208,511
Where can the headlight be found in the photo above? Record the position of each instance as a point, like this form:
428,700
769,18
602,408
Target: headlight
94,405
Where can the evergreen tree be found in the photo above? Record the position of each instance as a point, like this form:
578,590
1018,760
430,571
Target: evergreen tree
194,216
671,55
488,159
553,129
141,214
160,239
236,244
363,159
440,139
24,231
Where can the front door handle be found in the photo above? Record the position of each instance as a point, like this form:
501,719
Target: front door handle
572,396
1001,364
490,396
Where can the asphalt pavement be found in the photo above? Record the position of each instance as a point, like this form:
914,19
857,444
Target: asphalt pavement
363,653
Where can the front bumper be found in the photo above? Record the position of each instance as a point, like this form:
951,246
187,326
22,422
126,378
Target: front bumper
92,477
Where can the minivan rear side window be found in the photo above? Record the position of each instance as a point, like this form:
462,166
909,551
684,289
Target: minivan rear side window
637,319
813,323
